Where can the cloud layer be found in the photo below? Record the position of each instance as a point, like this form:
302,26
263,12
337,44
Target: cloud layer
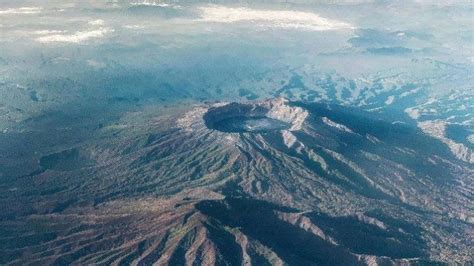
150,3
154,4
273,18
20,10
78,37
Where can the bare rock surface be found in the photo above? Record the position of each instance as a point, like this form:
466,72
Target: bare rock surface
333,186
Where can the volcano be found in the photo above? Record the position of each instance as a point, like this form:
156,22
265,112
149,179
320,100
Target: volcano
258,182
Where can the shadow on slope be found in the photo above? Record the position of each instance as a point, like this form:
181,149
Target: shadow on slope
257,220
365,238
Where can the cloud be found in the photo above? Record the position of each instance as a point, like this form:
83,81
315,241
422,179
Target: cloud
153,3
45,32
20,10
97,22
95,30
133,27
149,3
78,37
273,18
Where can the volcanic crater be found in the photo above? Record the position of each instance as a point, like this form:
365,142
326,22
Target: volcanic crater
255,117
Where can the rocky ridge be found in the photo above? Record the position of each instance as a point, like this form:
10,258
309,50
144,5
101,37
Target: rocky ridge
336,186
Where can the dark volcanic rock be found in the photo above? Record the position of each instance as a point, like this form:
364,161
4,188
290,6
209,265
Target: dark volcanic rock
312,184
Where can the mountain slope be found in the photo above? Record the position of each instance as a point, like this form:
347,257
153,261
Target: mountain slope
269,182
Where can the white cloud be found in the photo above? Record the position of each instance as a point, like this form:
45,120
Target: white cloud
150,3
95,30
153,3
273,18
45,32
133,27
97,22
20,10
78,37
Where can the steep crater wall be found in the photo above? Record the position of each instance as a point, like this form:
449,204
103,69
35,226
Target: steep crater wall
255,117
